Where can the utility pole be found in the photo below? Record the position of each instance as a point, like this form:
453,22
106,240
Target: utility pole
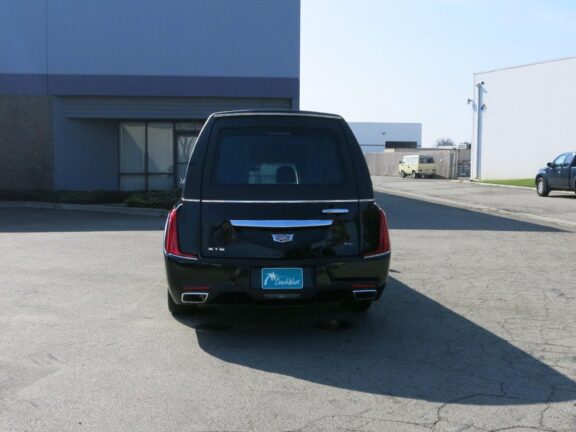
480,108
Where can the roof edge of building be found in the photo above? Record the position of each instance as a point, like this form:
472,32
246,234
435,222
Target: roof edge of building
526,65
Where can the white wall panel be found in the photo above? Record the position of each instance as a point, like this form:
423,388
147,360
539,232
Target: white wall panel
376,134
529,118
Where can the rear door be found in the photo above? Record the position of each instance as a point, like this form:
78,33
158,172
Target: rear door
572,172
566,168
426,164
279,188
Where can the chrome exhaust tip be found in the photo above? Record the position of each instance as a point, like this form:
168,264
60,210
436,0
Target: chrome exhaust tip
368,294
194,297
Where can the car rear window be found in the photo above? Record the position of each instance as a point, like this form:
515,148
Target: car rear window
426,159
278,156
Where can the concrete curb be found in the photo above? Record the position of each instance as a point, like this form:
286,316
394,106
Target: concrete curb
479,183
529,188
525,217
85,207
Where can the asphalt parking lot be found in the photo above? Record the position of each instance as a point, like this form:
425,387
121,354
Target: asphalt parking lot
558,209
475,332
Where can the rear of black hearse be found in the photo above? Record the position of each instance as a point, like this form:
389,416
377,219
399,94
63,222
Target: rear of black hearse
272,193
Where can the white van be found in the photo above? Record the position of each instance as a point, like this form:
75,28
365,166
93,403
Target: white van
417,166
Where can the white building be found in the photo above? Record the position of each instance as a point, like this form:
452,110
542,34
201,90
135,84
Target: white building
524,117
375,137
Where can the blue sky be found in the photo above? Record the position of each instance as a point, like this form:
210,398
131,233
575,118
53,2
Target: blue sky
414,60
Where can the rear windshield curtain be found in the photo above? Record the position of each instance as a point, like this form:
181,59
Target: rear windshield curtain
252,156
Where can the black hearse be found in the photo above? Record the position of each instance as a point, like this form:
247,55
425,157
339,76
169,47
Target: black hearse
277,207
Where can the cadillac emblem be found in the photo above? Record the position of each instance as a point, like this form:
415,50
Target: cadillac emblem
282,238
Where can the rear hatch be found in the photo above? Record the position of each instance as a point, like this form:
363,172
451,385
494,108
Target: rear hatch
427,164
279,187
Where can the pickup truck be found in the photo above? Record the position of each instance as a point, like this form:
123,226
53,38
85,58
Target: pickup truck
558,175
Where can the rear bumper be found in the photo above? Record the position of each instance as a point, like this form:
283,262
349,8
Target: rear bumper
231,281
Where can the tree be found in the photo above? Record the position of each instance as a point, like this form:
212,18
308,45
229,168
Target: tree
444,142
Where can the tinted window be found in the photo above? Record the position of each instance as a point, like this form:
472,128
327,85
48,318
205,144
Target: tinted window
426,159
568,160
559,161
278,156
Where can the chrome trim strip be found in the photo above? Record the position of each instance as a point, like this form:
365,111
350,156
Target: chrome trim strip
280,223
276,114
377,255
278,202
179,257
336,211
360,291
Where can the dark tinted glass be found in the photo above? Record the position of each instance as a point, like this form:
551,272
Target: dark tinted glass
568,160
426,159
559,161
278,156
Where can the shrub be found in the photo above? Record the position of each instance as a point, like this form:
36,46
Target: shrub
154,199
150,199
73,197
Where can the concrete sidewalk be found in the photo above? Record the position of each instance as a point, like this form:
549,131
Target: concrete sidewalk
558,209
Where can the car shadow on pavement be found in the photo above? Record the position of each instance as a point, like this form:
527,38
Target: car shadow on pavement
22,220
407,345
413,214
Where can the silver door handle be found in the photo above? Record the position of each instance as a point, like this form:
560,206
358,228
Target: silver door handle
334,211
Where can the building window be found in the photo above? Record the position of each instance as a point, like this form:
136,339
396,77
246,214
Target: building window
186,135
132,156
153,155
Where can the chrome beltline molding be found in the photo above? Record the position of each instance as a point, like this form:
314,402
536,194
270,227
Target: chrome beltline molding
292,223
277,201
377,255
277,114
180,257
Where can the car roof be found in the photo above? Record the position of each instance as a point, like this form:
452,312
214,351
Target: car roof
277,112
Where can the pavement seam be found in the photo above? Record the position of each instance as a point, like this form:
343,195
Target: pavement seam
477,207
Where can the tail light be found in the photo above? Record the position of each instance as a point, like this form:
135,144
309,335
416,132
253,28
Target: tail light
171,243
384,236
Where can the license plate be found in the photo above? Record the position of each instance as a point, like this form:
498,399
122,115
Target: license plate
282,278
